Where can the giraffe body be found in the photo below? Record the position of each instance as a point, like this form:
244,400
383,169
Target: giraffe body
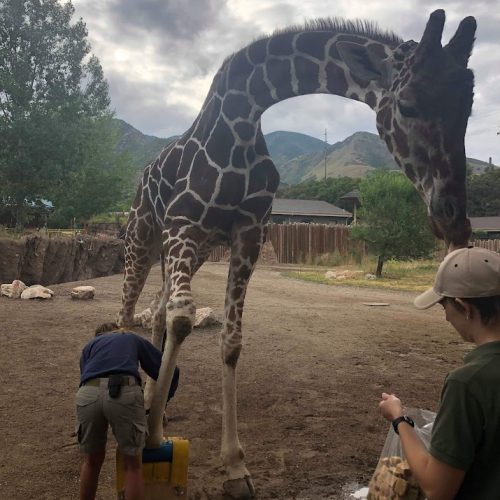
216,183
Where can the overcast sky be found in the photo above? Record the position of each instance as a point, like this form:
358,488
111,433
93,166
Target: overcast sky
159,57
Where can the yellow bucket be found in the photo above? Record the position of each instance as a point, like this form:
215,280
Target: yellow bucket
164,469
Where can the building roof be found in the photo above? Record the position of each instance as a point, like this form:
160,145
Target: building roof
284,206
485,223
351,195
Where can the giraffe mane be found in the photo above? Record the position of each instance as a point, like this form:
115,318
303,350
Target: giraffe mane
336,25
348,26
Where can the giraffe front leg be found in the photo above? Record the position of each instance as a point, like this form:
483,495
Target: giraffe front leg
181,249
158,333
244,254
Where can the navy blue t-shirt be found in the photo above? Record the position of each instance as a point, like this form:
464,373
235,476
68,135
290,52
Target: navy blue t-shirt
121,353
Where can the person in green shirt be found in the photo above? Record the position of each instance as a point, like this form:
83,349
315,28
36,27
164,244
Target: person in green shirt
463,461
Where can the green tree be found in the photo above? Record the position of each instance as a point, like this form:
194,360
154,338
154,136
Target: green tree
393,219
483,194
53,98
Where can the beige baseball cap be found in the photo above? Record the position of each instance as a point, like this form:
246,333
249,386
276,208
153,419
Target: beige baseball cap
465,273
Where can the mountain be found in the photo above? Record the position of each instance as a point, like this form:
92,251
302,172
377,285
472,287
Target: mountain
284,146
142,148
298,157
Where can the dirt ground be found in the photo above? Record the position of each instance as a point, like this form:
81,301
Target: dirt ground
314,362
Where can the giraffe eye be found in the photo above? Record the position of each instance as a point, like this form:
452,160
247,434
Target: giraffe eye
407,111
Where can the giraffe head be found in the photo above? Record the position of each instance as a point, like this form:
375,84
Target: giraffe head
422,112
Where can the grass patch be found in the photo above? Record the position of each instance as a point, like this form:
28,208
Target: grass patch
412,276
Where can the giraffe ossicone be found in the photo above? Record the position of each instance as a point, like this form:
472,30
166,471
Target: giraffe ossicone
215,184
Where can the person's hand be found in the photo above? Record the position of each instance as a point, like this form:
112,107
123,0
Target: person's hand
390,407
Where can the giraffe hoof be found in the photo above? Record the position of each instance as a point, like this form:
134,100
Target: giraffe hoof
240,489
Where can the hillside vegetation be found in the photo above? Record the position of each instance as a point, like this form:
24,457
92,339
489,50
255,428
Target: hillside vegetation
298,157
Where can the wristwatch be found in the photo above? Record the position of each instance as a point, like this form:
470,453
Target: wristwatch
398,420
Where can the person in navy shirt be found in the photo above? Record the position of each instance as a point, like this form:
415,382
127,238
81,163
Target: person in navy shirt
110,393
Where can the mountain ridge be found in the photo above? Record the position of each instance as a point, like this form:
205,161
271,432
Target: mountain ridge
298,157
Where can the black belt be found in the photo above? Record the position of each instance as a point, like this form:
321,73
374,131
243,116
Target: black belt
98,381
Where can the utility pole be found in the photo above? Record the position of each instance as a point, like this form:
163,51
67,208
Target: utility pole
326,147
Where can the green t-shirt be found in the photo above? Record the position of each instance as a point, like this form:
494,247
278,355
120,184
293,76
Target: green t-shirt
466,433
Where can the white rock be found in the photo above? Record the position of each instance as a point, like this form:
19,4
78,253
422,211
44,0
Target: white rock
331,275
37,292
13,290
205,316
85,292
369,276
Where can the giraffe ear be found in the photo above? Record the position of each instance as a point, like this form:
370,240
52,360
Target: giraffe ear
460,46
363,63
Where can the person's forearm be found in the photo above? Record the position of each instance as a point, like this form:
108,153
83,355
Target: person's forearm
416,454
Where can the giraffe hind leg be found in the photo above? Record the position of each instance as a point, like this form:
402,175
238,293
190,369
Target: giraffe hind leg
245,249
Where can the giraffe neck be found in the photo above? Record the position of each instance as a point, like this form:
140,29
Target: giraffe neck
287,65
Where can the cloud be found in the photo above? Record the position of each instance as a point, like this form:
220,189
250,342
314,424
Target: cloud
160,56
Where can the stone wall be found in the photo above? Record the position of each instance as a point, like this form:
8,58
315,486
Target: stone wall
41,260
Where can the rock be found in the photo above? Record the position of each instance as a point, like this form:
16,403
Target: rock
331,275
205,316
37,292
13,290
83,292
144,318
369,276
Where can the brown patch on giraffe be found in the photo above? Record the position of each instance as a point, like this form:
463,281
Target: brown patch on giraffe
165,191
203,177
401,140
216,148
258,206
169,168
232,360
186,205
257,52
238,157
313,43
190,150
207,122
245,130
236,106
259,90
250,155
281,45
371,99
307,74
410,172
239,70
279,73
388,142
336,81
232,189
260,176
219,218
384,117
383,102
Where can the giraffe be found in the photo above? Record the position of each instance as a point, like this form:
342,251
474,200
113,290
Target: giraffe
216,183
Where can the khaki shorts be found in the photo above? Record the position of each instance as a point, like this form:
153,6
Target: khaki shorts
126,415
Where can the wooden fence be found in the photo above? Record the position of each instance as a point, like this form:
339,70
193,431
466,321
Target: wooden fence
302,243
489,244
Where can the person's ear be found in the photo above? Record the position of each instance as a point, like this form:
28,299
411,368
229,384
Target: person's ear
467,308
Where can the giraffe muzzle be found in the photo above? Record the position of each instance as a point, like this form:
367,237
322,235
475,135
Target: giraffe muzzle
449,220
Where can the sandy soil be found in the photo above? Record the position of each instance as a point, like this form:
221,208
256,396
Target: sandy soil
314,362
